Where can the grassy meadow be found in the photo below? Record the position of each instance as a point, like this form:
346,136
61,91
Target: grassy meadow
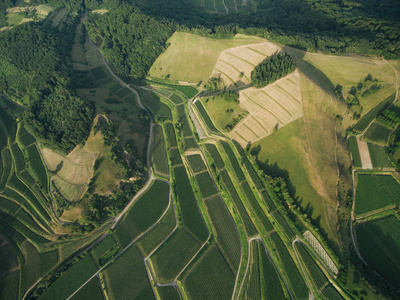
197,54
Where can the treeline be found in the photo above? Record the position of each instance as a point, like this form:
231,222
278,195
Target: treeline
34,71
332,26
130,40
272,69
4,4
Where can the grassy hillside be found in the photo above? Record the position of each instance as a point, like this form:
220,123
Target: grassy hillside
192,58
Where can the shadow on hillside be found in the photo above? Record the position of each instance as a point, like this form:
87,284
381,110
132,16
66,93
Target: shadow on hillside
312,73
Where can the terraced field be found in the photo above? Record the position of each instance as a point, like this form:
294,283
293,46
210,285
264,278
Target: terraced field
158,152
73,172
270,108
234,65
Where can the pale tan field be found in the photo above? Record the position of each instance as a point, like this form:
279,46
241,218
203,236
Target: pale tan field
192,58
273,106
234,65
72,172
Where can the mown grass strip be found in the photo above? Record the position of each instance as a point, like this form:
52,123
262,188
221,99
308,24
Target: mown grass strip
206,118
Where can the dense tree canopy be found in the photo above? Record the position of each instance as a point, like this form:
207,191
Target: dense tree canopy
34,72
4,4
130,40
271,69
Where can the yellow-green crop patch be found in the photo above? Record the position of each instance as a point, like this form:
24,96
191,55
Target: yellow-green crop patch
192,58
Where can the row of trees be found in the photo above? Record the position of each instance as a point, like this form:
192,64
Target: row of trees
272,69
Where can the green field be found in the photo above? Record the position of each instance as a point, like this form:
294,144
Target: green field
317,276
24,137
296,282
329,292
19,158
373,113
159,233
249,167
168,293
6,166
262,281
190,144
210,278
189,210
217,109
123,93
36,166
159,156
196,163
152,101
9,275
169,260
355,153
247,222
375,192
213,151
268,201
232,159
183,122
91,290
377,134
379,244
175,157
103,247
206,118
256,208
71,280
379,156
284,225
225,230
129,267
206,185
170,134
98,73
144,212
175,99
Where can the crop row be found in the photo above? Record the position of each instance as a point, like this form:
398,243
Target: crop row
196,163
355,153
233,161
317,276
284,225
158,151
190,212
226,234
143,213
170,133
212,149
206,118
210,278
377,133
247,222
206,185
297,283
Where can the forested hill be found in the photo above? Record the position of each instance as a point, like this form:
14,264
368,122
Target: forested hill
4,4
130,40
34,72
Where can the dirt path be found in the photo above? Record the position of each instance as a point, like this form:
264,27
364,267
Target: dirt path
364,154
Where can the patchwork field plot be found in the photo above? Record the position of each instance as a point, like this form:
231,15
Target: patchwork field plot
379,244
159,233
91,290
210,278
379,157
247,222
213,151
189,210
71,280
143,213
170,134
355,153
168,293
234,65
296,282
232,159
377,134
170,259
271,107
226,234
159,157
262,281
375,192
317,276
129,267
72,172
206,185
196,163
